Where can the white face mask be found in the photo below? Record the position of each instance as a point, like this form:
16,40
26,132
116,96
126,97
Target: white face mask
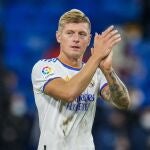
145,120
18,105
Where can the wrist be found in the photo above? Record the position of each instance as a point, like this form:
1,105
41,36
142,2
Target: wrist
107,71
97,57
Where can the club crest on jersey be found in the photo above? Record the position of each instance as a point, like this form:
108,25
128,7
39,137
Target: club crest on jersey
92,83
47,71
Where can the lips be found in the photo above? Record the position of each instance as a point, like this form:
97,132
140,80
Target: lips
77,47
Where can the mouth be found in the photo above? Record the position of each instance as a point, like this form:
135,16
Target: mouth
75,47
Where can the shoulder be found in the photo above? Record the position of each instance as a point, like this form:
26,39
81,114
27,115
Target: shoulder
44,62
44,65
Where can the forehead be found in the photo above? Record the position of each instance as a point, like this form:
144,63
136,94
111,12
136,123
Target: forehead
79,27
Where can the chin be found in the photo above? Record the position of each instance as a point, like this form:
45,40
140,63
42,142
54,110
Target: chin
75,55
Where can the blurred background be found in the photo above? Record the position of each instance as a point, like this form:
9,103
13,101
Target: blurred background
27,34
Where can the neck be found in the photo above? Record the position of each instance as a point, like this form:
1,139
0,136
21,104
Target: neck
70,61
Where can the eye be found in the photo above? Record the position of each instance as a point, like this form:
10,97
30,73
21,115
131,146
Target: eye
82,34
69,32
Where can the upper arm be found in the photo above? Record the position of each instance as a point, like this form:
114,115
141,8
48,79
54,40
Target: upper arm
47,79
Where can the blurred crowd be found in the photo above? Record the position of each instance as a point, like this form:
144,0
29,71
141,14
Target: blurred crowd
27,34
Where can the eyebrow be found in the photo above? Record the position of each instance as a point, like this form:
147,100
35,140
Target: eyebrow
69,30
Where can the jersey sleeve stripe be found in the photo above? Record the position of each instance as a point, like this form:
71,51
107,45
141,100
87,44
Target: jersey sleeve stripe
48,82
102,89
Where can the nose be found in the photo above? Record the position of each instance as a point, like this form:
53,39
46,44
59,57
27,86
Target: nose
76,38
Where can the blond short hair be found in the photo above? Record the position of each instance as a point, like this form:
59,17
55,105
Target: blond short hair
73,16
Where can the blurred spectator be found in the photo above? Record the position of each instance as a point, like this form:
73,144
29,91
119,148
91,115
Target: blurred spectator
111,130
140,131
15,122
122,143
129,65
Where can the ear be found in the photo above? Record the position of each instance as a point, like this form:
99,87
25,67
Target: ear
58,36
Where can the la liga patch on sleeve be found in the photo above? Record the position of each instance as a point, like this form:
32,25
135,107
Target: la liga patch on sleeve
47,71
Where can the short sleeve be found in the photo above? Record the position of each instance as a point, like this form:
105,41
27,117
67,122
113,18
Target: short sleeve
42,73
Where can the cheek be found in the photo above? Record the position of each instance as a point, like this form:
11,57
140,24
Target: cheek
65,45
85,44
65,41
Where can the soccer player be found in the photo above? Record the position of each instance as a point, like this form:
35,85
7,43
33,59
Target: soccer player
66,89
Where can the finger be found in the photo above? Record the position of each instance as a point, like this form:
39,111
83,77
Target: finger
107,31
115,41
92,50
107,52
111,34
95,37
109,56
114,37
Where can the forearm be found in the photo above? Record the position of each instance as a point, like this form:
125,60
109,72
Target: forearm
80,81
119,95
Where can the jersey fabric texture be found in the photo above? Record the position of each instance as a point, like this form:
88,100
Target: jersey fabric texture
63,125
